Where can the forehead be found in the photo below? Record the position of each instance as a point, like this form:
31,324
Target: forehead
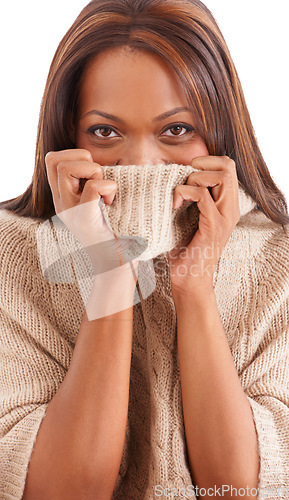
130,73
128,56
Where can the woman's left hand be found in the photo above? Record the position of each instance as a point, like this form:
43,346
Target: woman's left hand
192,266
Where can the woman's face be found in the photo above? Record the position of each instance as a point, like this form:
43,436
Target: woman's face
131,112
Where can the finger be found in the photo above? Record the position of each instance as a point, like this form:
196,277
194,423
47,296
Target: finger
94,188
224,163
213,163
205,178
200,195
69,175
52,177
223,184
53,158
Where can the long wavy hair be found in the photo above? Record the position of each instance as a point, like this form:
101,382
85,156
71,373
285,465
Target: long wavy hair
185,34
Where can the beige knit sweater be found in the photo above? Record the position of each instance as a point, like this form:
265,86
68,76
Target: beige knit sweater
43,291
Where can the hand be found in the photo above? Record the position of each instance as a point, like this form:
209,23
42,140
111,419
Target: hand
80,210
192,266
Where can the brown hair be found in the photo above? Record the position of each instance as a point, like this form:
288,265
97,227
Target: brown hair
186,35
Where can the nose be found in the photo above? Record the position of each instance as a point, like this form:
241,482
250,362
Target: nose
142,152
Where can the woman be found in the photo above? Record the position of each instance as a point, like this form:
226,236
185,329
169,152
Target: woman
184,392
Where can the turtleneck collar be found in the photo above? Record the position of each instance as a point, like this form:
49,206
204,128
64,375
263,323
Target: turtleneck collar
141,211
143,205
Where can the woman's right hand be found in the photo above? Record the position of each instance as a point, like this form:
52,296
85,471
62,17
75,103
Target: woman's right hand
80,211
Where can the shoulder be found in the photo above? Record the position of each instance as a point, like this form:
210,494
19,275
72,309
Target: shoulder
14,228
17,244
255,259
253,279
269,242
264,239
38,248
268,258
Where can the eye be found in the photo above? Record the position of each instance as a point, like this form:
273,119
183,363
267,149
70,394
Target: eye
104,132
176,128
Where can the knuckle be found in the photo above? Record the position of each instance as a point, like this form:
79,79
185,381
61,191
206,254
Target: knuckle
229,163
98,173
48,158
197,162
86,154
192,177
99,169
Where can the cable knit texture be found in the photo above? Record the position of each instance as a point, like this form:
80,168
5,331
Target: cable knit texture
44,284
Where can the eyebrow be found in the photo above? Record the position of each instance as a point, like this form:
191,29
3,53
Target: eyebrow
102,113
171,112
118,120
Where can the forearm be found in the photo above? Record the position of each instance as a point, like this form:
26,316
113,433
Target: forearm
220,432
83,432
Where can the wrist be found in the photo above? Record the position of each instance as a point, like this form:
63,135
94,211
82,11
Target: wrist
103,256
112,291
110,255
118,276
198,297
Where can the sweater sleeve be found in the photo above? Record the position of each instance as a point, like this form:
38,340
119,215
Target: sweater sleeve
16,447
266,378
35,349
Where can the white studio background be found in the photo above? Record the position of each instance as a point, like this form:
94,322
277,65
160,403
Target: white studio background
257,37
